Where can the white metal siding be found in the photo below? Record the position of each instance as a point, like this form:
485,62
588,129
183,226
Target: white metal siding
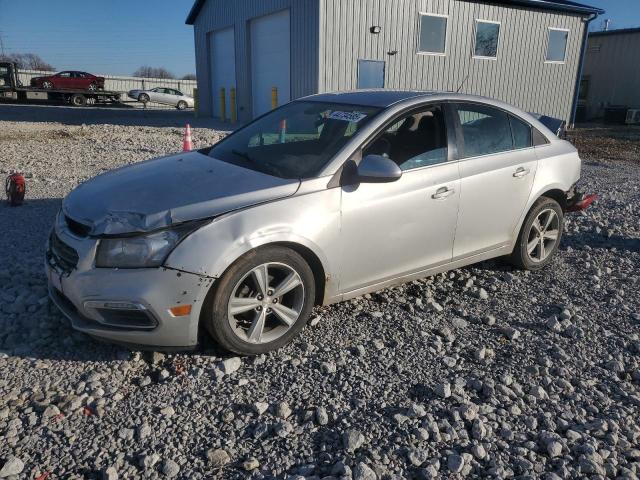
218,14
519,75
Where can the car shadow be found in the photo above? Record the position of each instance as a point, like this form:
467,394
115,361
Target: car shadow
598,240
108,115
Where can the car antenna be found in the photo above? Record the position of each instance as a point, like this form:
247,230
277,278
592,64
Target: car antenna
462,83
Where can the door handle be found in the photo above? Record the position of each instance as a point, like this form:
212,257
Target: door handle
442,193
521,172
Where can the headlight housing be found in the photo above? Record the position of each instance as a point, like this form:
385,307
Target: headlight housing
143,251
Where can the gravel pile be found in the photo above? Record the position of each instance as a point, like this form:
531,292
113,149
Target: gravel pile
481,372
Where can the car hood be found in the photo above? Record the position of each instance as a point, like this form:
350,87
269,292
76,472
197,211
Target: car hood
169,190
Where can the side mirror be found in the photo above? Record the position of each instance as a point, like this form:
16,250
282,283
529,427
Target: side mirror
377,169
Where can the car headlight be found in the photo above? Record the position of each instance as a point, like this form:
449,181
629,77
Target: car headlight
144,251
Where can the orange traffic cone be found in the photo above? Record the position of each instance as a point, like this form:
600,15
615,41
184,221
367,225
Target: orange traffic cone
186,139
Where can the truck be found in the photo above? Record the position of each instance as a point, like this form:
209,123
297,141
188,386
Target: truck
11,88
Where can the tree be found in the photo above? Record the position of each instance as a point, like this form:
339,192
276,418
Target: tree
27,61
189,76
153,72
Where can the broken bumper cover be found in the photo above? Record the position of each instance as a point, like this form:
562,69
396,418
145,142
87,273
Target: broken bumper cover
580,202
127,306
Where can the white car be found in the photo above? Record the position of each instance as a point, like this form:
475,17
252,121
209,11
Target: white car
321,200
166,96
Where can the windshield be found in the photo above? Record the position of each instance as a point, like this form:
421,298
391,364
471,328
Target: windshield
294,141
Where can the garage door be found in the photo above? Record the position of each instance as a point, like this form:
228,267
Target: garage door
270,60
223,67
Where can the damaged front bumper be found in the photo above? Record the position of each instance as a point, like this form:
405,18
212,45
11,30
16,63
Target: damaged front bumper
127,306
577,201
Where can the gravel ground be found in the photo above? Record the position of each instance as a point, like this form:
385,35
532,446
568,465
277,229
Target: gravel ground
481,372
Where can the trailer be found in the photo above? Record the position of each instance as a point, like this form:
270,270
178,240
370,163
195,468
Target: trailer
11,88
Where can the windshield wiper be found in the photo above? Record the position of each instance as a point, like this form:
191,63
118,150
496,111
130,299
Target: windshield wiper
244,155
263,166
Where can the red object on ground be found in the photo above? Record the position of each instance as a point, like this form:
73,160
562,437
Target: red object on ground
15,187
187,146
583,203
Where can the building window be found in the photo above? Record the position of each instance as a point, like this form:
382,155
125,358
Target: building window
487,37
433,34
557,47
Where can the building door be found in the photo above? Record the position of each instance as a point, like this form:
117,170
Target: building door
223,68
270,60
370,74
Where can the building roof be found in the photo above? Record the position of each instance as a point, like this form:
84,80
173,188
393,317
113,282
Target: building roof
558,5
620,31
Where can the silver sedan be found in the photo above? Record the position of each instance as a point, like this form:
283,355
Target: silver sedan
324,199
166,96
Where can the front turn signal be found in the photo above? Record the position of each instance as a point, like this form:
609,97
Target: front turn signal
180,310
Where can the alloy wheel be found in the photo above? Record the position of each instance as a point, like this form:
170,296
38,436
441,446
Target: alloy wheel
266,303
47,85
543,235
93,87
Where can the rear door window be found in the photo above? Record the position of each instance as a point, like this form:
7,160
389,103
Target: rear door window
485,130
521,133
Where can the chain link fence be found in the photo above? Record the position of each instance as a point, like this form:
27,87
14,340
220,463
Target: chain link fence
124,84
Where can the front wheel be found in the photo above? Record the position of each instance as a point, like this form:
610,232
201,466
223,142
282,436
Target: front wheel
93,87
181,105
540,235
144,98
261,302
47,85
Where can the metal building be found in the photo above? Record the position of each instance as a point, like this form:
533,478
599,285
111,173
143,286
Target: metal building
526,52
611,72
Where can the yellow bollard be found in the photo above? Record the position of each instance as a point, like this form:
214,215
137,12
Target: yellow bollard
223,105
195,102
232,99
274,97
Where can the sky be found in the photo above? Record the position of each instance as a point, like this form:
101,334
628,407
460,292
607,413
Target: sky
112,37
622,13
117,36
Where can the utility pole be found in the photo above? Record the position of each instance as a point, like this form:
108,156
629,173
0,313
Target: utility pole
1,45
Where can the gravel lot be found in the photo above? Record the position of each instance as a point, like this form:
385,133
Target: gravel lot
480,372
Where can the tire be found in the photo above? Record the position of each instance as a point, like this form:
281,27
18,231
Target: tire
47,85
78,100
143,97
241,332
181,105
527,253
92,87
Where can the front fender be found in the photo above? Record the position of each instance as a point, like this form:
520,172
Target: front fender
312,221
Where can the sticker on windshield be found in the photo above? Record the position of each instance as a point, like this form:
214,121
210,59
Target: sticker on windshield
354,117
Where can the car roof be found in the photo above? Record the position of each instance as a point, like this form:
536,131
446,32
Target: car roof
372,98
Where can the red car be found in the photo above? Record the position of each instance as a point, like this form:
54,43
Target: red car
69,80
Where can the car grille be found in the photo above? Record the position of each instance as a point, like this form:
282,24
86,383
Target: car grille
63,256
